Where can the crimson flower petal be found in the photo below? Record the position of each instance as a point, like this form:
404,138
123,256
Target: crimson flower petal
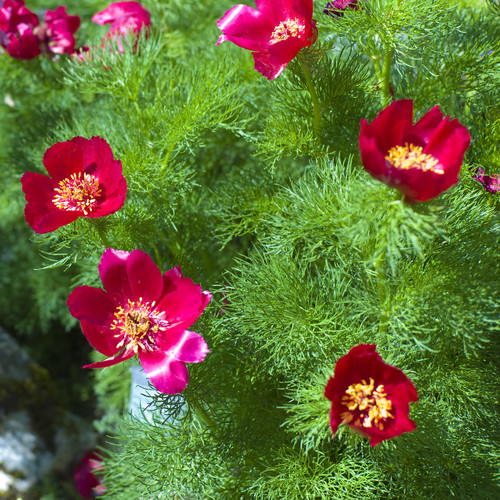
391,124
142,312
86,182
40,212
100,338
246,27
275,32
183,305
65,158
91,304
370,396
166,374
113,273
422,160
145,278
170,278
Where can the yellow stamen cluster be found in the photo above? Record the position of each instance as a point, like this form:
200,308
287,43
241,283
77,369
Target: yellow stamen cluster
286,29
137,324
371,402
78,192
410,156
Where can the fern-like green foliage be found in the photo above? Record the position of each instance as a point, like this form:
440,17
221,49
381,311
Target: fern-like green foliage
234,178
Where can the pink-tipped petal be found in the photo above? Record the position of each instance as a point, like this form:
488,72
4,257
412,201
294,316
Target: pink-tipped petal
91,304
146,280
101,338
245,27
186,346
166,374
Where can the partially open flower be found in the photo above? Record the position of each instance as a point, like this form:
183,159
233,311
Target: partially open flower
336,8
420,160
275,32
16,30
86,482
124,17
56,35
85,181
142,312
490,182
370,396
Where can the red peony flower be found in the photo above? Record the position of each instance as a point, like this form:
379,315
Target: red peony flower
57,32
370,396
420,160
142,312
336,7
16,30
124,17
490,182
275,32
86,483
85,181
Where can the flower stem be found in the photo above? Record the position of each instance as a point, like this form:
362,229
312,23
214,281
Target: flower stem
383,66
201,413
100,231
314,97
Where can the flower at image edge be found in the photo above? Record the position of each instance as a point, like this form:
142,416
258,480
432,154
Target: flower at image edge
85,181
143,312
370,396
123,17
56,34
420,160
86,483
275,32
17,25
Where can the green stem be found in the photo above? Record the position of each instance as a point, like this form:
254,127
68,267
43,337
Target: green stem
314,97
383,66
167,158
101,233
199,411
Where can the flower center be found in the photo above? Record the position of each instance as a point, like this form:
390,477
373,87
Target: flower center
367,405
410,156
77,193
285,30
138,325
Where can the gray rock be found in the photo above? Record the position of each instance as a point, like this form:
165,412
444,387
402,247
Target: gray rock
37,436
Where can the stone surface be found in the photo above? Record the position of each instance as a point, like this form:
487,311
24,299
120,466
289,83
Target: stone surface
37,436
